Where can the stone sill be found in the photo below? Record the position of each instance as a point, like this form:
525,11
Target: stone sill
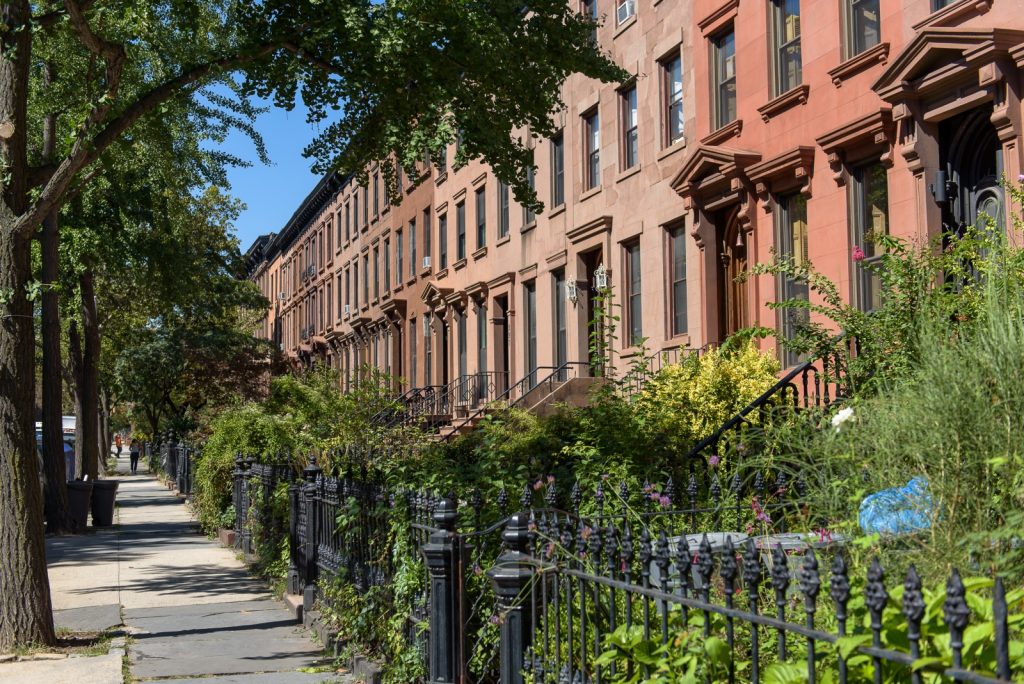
480,253
628,173
590,193
790,98
878,54
560,209
672,149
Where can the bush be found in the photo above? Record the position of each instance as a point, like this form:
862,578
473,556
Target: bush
687,402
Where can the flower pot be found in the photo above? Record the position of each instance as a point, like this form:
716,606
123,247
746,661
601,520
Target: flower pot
104,494
79,498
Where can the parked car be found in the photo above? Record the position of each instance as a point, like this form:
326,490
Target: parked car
68,430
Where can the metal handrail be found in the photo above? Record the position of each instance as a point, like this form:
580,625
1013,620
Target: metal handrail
779,390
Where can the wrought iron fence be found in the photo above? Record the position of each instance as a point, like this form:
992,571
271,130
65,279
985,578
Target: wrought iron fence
567,586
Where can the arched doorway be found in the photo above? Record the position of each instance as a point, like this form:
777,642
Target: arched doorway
733,271
973,160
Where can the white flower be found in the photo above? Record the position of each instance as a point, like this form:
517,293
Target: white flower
843,416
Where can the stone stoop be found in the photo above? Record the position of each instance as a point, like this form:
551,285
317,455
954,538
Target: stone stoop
293,602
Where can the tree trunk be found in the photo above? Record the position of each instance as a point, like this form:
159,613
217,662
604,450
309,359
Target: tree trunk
75,352
26,614
104,437
56,492
88,396
25,610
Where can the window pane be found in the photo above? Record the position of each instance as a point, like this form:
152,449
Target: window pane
635,313
502,209
629,124
674,93
678,256
725,75
481,218
557,171
592,129
865,25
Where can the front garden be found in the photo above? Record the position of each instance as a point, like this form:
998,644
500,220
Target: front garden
931,390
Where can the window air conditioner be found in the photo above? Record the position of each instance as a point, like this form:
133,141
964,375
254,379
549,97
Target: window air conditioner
347,309
282,295
426,262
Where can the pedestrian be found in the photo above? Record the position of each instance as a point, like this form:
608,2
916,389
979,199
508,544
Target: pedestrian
118,444
133,451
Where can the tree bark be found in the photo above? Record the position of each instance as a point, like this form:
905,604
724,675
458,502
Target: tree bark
77,362
90,375
56,492
26,614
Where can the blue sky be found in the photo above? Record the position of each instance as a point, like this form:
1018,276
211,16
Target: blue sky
271,193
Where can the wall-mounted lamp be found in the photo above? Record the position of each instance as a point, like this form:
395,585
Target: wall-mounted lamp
600,277
572,291
939,187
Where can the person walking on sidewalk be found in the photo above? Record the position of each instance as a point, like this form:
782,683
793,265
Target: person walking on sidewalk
118,444
133,452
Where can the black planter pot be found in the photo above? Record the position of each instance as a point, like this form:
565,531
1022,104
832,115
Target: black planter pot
79,498
104,494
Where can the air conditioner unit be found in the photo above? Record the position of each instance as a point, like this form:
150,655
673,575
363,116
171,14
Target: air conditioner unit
626,9
311,270
282,296
426,262
347,309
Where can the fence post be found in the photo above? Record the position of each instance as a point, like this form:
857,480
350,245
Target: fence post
439,555
510,576
308,571
238,501
294,541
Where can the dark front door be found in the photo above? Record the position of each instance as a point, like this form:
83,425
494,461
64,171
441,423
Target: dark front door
973,160
732,275
595,327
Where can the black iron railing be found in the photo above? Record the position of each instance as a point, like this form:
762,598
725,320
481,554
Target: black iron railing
821,382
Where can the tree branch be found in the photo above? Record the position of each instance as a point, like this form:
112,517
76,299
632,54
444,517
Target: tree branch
53,17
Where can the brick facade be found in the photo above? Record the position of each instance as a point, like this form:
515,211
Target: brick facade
789,126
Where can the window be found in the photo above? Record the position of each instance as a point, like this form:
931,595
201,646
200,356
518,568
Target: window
530,329
590,11
557,171
786,45
412,250
428,351
442,161
529,215
460,231
399,257
634,307
672,89
442,241
412,352
481,218
366,279
426,233
330,303
503,222
481,340
463,343
791,244
561,332
870,217
348,287
329,234
724,64
355,284
628,117
376,273
624,10
366,206
313,253
591,150
376,193
863,27
387,265
677,278
337,218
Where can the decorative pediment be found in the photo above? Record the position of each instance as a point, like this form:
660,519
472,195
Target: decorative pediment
602,224
394,309
711,169
938,55
434,295
477,290
789,169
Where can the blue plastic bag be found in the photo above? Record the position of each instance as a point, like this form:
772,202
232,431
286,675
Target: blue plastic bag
900,510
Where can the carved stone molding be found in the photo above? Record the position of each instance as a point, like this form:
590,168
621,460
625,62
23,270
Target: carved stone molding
719,17
789,169
869,135
878,54
790,98
727,131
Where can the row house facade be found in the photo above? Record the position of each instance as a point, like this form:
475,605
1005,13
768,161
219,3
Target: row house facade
749,128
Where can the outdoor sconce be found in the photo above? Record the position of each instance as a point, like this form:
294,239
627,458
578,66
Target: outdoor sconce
601,278
939,187
572,291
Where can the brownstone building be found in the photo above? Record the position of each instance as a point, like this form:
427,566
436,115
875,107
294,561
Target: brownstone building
801,127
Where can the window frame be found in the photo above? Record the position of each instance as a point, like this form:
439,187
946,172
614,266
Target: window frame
591,130
557,144
629,127
677,302
460,231
633,281
778,15
859,217
442,241
788,288
670,102
853,41
719,82
504,210
480,197
630,11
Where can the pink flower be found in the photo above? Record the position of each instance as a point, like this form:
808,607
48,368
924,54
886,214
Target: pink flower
539,484
714,460
655,497
858,253
532,526
665,502
551,479
1020,178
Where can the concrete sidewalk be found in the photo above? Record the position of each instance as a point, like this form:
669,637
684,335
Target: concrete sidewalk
190,608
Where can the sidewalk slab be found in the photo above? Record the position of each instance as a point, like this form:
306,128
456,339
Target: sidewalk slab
88,618
105,669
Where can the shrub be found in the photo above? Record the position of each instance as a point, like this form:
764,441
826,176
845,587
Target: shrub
687,402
